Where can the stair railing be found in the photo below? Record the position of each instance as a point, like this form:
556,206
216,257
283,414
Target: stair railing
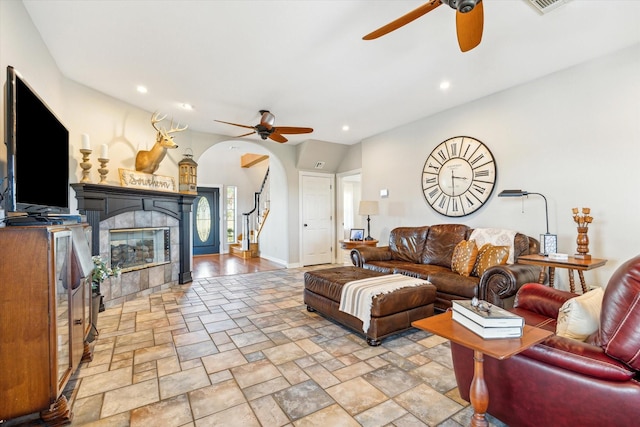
247,223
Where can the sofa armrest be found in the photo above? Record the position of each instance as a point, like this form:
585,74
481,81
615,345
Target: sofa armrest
500,283
541,299
579,357
363,254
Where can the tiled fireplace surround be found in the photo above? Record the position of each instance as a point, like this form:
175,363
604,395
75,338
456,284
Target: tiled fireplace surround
109,207
131,284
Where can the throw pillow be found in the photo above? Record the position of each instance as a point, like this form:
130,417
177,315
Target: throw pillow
579,317
488,256
497,237
464,257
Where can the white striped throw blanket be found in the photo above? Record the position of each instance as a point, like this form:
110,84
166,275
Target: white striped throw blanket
357,296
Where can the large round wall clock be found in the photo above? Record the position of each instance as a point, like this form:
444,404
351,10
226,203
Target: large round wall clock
458,176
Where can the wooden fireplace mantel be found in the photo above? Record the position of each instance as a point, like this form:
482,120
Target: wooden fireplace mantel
99,202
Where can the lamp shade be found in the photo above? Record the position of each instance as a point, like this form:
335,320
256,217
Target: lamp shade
513,193
368,208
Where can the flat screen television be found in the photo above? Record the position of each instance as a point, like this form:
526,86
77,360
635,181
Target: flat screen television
37,153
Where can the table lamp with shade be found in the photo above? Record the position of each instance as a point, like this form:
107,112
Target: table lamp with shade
548,242
368,208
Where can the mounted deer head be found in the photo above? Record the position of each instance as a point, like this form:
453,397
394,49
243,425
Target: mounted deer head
148,160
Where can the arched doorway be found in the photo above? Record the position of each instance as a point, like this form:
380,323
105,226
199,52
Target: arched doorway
220,166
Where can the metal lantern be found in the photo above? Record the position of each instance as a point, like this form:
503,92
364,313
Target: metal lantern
188,179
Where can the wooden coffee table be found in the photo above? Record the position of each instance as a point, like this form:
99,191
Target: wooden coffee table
444,326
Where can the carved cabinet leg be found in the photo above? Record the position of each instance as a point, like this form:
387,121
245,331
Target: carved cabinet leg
58,414
87,354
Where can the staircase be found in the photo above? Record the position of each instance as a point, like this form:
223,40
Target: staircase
247,246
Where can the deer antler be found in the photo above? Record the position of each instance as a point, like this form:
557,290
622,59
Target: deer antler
176,129
155,119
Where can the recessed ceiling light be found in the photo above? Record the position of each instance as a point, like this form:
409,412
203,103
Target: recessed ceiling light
187,106
141,89
345,128
445,85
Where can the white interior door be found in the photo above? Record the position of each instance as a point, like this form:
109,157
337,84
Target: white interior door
317,218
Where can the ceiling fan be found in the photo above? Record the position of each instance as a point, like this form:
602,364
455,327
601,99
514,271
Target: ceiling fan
266,129
469,21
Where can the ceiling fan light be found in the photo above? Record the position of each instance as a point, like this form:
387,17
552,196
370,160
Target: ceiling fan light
267,118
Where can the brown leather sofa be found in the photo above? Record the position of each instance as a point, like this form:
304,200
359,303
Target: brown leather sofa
426,252
563,382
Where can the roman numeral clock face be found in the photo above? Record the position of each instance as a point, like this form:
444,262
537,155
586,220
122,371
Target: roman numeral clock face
458,176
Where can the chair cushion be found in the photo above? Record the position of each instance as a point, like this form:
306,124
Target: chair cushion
488,256
441,241
579,317
619,333
407,243
464,257
624,344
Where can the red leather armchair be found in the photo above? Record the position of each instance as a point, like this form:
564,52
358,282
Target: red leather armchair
563,382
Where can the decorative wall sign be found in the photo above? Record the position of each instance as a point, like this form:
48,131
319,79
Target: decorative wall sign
135,179
458,176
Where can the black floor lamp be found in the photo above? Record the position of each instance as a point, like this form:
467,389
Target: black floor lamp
548,242
368,208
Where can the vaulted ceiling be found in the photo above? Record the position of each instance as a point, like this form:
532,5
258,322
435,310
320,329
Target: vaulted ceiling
306,62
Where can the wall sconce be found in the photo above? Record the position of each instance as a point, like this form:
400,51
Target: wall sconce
548,242
368,208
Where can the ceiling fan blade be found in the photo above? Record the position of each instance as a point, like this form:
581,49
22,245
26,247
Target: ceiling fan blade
403,20
235,124
277,137
245,134
469,27
292,130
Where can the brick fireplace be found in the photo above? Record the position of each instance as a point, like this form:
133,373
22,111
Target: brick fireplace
123,211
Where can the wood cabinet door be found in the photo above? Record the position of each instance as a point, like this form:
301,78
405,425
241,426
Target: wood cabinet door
61,327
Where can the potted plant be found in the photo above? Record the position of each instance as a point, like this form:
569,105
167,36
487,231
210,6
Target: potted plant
101,271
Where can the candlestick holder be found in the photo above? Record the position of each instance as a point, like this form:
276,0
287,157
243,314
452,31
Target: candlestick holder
103,171
85,164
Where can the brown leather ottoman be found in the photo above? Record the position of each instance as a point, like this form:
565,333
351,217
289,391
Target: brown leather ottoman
390,313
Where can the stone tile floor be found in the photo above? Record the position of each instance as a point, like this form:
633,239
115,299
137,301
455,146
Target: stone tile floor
242,350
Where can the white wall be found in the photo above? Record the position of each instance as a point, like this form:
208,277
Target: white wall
573,136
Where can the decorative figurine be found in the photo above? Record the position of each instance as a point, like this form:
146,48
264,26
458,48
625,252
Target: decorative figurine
583,222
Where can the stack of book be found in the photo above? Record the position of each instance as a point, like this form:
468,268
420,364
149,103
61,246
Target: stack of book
488,321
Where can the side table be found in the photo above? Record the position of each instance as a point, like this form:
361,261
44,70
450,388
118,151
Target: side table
570,264
347,245
444,326
350,244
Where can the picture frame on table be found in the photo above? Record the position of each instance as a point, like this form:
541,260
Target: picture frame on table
357,234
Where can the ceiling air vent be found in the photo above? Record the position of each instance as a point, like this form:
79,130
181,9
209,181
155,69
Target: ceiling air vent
546,6
319,165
